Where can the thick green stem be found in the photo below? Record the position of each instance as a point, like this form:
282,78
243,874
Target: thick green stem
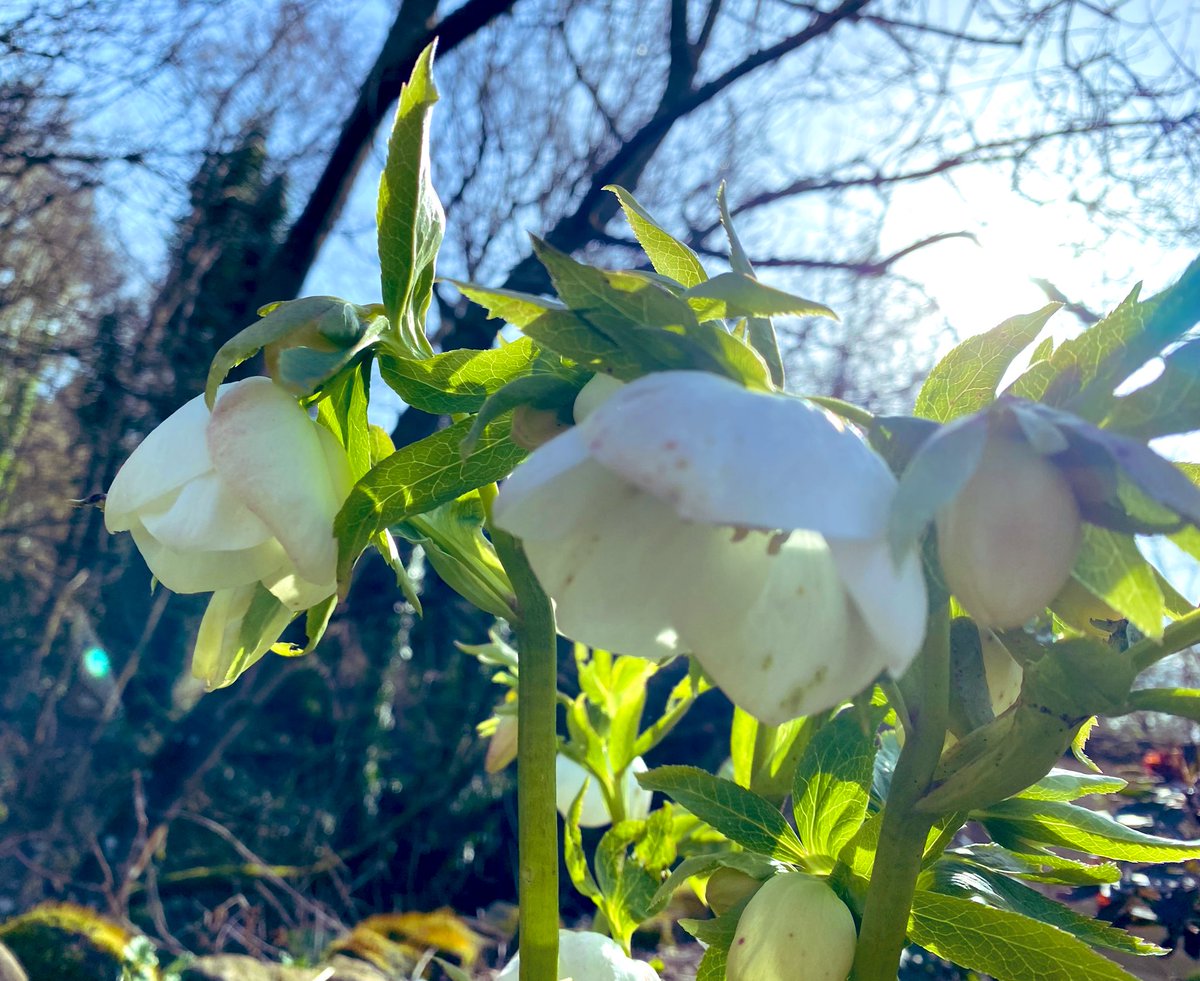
537,819
904,832
1182,634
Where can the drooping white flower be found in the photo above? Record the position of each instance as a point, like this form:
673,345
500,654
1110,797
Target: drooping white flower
244,494
239,501
685,513
570,777
589,957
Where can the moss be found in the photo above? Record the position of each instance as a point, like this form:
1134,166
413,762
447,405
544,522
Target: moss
64,942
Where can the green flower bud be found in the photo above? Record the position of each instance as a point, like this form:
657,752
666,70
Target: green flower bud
727,887
794,927
1008,541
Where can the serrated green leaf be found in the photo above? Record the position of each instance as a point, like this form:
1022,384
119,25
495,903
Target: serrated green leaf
759,330
1043,866
962,879
741,816
965,380
1079,744
343,412
573,854
1111,567
696,865
667,254
627,887
419,477
832,783
571,337
1065,785
1066,825
733,295
718,934
409,215
1169,404
456,381
511,306
1082,374
1006,945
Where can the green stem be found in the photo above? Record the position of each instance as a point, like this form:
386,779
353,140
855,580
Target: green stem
904,832
537,818
1182,634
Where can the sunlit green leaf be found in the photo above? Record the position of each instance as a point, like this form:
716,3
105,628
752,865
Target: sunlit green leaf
419,477
956,877
1169,404
1006,945
1111,567
409,215
344,413
456,381
667,254
511,306
1181,702
832,783
965,380
741,816
1067,825
1069,785
735,294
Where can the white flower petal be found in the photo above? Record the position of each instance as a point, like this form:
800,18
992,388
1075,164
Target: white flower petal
174,453
589,957
267,451
299,594
569,777
891,600
612,570
722,454
205,516
219,651
637,800
203,572
545,497
771,623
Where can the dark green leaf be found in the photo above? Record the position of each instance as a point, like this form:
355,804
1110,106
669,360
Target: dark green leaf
409,215
832,783
1006,945
456,381
741,816
965,380
419,477
667,254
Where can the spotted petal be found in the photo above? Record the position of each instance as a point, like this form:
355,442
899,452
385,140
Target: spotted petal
721,454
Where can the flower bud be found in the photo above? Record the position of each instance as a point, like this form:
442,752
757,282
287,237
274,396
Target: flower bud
794,927
727,887
570,776
588,957
1008,541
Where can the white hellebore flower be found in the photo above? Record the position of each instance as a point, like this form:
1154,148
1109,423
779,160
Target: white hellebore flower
589,957
224,501
685,513
569,778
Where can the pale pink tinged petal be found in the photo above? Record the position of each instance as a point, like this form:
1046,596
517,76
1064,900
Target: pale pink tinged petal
267,451
721,454
550,491
205,517
890,599
219,644
611,574
296,593
174,453
202,572
769,622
